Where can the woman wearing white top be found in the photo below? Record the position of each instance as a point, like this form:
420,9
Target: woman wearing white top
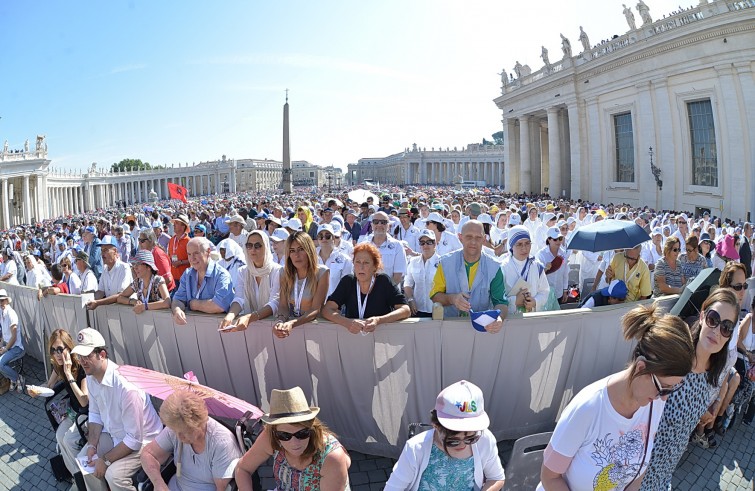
445,242
518,264
619,415
553,257
338,264
9,272
419,276
259,283
232,258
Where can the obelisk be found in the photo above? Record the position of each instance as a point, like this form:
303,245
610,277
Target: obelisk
286,151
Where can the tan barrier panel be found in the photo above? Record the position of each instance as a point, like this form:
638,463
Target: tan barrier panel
371,387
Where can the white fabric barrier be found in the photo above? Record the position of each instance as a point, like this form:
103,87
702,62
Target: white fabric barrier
368,387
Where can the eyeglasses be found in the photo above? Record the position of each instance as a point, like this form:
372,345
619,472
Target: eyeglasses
690,249
59,350
455,442
285,436
558,239
142,239
630,258
380,222
324,237
713,320
663,392
738,286
253,245
426,242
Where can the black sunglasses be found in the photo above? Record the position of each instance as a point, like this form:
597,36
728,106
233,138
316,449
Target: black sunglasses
59,350
285,436
380,222
455,442
254,245
142,239
324,237
713,320
426,242
662,392
738,286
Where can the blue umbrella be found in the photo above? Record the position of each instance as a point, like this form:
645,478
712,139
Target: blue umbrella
607,235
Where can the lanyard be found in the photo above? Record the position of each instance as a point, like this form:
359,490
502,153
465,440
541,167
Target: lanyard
142,297
360,305
298,295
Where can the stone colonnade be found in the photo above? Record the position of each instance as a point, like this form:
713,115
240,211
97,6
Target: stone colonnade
539,149
22,200
452,172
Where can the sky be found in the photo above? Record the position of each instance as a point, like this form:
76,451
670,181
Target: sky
172,82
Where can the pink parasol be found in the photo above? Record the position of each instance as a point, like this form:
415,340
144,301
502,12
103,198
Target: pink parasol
160,385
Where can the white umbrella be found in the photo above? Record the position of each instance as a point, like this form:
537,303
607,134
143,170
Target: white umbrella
338,201
361,195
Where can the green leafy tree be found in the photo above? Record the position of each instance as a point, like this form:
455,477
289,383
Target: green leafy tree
128,165
498,137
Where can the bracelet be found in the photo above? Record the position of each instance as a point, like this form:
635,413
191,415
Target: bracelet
409,300
71,381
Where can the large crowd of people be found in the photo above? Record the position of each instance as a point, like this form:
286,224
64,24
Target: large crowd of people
359,264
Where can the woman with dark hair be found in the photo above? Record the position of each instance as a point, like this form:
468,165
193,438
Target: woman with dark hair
692,261
150,288
619,414
370,297
696,400
303,285
306,454
668,276
66,369
459,452
706,248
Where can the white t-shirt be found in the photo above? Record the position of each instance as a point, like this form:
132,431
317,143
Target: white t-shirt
605,447
8,318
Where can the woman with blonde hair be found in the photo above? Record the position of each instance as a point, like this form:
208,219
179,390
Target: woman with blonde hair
306,454
205,451
258,289
619,414
303,285
668,276
66,369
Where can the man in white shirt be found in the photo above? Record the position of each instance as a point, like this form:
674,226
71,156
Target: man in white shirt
122,419
406,231
116,275
391,250
237,233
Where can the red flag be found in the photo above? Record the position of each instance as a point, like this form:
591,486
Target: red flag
177,191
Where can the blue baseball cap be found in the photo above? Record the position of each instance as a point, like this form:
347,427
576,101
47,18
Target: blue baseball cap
201,228
617,289
89,229
108,240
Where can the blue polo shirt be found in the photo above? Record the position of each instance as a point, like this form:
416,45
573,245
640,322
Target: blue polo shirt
216,287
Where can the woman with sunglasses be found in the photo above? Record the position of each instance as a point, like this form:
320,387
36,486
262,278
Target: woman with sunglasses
303,285
692,262
420,273
258,287
149,287
306,454
338,263
553,256
697,400
736,387
668,277
604,437
148,242
459,452
66,369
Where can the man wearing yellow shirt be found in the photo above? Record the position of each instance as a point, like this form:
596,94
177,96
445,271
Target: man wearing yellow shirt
468,280
632,270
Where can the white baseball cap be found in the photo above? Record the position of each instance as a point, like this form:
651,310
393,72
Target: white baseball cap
460,407
279,234
87,340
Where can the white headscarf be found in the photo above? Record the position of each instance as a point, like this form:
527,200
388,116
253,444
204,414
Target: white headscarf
259,291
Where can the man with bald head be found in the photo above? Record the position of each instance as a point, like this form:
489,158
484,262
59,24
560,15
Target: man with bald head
205,286
467,279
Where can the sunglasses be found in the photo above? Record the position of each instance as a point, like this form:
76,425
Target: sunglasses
426,242
380,222
253,245
630,258
59,350
663,392
713,320
559,239
285,436
675,249
324,237
738,286
142,239
455,442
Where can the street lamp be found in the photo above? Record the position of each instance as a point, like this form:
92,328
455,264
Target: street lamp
655,170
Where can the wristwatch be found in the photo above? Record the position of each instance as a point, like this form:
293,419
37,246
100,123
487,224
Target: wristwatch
107,462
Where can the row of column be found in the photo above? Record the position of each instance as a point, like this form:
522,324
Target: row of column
22,207
452,172
537,156
75,199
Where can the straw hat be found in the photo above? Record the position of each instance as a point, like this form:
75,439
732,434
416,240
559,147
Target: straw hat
4,295
289,406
